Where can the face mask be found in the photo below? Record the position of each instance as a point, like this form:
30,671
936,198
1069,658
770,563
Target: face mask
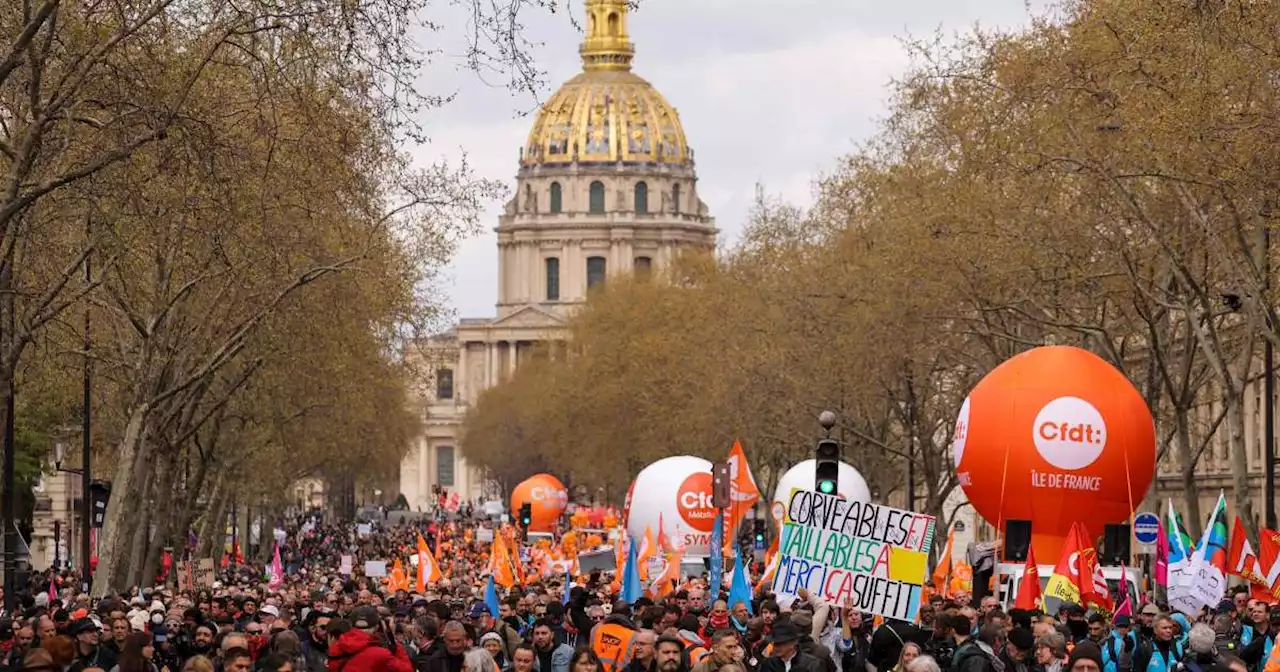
157,618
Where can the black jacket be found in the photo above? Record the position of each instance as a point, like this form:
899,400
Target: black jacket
803,662
971,658
441,661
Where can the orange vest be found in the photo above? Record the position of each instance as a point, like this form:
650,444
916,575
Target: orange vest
694,654
613,643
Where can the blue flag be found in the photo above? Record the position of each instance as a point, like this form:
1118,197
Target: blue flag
717,555
740,589
631,588
491,597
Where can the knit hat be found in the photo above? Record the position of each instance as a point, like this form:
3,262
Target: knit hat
1085,650
490,635
1022,639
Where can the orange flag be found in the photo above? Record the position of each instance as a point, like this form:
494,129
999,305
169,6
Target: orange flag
1029,589
428,570
743,492
398,580
942,572
500,564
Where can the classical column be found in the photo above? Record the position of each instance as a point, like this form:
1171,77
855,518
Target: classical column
502,272
460,376
511,358
491,370
424,478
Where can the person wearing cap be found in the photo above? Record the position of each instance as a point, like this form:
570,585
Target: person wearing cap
1019,650
267,615
369,646
786,655
1119,646
1085,657
89,653
492,642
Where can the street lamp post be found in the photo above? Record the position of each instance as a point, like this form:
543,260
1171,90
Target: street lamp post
86,515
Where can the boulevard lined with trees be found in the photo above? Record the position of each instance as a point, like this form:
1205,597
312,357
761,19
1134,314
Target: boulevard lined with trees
1106,179
208,203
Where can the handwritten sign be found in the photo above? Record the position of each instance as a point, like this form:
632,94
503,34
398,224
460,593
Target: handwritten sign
874,555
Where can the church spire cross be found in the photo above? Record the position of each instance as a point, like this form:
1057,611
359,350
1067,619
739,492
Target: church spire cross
606,46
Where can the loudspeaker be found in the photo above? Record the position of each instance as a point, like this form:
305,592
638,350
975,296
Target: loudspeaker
1017,540
1115,544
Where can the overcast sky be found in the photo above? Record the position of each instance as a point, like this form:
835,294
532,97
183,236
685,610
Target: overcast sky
769,92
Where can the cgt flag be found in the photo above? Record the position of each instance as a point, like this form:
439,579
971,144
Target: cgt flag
1065,583
1029,590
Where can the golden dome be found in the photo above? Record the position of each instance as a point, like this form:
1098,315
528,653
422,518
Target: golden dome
606,114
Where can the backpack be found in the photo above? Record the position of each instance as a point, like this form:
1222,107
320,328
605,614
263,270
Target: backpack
1124,658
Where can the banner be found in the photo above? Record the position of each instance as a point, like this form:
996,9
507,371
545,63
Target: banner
874,555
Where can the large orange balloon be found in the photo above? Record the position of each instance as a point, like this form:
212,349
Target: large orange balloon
1055,435
548,498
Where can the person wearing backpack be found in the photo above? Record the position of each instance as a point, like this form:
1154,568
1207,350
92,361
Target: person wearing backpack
1119,646
1202,652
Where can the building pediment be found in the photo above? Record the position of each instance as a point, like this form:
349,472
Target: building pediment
529,317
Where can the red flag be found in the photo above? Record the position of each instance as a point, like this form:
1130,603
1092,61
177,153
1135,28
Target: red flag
1029,589
1094,590
1241,560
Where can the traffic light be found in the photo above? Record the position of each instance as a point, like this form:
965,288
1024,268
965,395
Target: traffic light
526,515
758,532
827,457
99,495
721,485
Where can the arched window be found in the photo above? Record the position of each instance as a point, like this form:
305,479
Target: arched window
555,197
642,198
597,198
643,266
595,271
553,279
613,24
675,199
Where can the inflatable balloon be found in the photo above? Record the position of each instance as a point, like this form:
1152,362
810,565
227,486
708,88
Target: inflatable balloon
548,498
804,476
1055,435
673,494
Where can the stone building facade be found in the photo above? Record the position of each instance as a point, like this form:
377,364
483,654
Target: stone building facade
605,186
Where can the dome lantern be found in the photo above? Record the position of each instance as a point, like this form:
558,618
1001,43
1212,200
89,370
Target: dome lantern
606,46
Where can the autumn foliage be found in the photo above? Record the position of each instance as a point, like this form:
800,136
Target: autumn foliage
1106,179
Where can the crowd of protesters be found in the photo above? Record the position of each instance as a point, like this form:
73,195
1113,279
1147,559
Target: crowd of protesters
319,620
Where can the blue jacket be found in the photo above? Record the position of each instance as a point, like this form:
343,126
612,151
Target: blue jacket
1112,648
561,656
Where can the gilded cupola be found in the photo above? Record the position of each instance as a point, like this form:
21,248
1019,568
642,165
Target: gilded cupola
606,114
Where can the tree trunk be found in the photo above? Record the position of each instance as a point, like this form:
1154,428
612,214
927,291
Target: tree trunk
213,526
162,512
1187,458
141,532
267,540
1241,489
115,525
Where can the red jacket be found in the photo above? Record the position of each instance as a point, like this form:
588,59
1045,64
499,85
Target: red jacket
358,651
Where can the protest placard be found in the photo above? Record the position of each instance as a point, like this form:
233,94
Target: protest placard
875,555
